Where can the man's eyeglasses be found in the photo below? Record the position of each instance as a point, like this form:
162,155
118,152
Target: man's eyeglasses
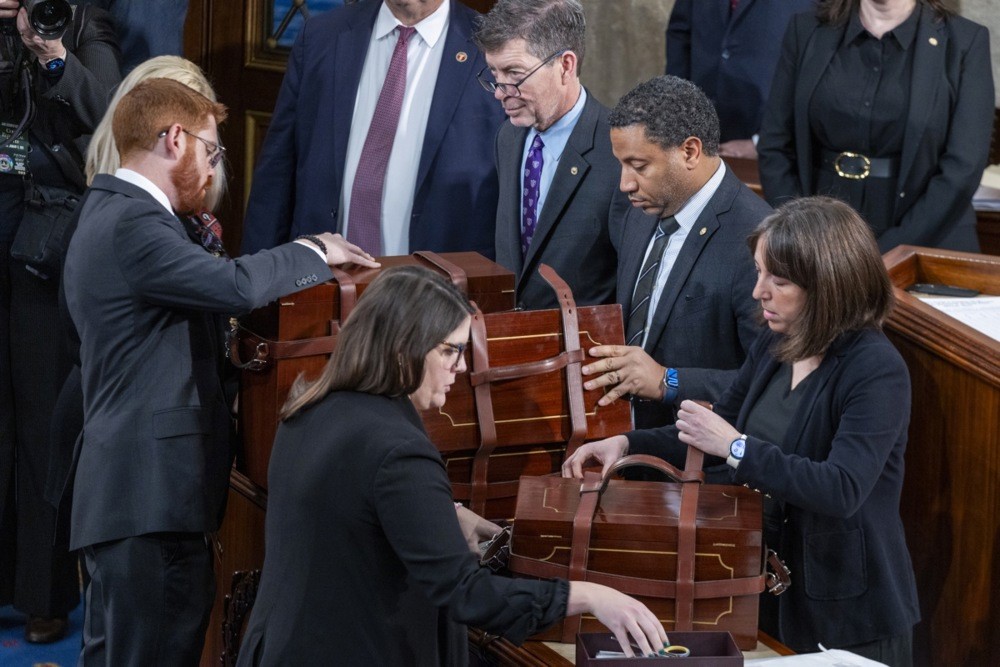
215,151
513,89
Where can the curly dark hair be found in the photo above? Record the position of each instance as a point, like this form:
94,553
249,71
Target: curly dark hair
671,109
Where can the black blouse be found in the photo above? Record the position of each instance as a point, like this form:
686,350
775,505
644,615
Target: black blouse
860,105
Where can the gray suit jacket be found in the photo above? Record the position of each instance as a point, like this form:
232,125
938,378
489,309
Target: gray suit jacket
583,210
705,320
156,447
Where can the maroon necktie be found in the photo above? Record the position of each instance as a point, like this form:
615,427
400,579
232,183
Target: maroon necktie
732,5
365,223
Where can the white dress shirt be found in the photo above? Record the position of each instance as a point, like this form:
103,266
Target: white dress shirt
423,60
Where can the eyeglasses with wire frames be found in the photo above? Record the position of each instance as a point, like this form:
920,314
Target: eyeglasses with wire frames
513,89
215,151
457,348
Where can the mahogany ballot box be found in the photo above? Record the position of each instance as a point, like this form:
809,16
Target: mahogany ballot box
692,552
296,334
514,413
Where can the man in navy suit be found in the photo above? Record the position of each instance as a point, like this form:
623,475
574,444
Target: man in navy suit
685,277
440,183
729,49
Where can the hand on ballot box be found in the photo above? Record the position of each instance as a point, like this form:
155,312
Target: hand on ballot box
627,370
603,452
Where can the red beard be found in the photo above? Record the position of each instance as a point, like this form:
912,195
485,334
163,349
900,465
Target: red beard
190,189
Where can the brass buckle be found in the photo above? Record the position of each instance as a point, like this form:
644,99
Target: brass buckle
853,177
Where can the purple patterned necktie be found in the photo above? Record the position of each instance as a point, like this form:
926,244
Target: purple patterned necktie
532,187
365,223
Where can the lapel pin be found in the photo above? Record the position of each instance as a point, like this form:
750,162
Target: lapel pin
574,170
703,230
461,56
933,41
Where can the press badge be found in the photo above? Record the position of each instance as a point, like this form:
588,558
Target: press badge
14,155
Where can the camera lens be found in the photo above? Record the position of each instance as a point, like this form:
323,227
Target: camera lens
49,18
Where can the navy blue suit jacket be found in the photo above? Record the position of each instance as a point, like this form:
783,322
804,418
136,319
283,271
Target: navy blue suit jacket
839,477
731,58
300,171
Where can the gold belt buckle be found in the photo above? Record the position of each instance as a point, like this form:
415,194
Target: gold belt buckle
853,177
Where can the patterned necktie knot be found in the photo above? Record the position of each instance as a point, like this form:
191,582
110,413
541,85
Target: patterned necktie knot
635,328
532,190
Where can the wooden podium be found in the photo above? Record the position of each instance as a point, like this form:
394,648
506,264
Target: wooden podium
951,496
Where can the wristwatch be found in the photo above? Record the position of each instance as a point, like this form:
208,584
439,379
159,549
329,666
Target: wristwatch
54,67
736,450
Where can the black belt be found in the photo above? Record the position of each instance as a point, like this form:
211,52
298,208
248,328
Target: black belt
855,166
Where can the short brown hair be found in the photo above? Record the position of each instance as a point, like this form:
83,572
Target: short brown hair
404,314
154,105
822,245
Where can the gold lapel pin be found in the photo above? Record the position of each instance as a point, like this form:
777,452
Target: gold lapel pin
703,230
461,56
933,41
574,170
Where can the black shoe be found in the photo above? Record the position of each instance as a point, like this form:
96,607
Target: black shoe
40,630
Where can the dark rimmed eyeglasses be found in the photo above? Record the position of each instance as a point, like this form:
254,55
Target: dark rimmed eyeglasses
459,348
215,151
513,89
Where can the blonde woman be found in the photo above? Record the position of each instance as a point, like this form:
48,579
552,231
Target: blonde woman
102,154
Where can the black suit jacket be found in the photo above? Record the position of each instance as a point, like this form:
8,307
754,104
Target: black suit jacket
730,57
705,319
948,127
583,210
300,171
156,448
365,560
839,475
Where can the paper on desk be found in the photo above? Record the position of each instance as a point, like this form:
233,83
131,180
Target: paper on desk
991,177
982,313
831,658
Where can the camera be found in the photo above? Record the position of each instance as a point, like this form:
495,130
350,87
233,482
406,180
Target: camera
49,18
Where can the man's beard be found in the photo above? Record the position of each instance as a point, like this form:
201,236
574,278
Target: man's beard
190,189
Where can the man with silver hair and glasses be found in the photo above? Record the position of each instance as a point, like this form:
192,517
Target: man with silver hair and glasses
559,198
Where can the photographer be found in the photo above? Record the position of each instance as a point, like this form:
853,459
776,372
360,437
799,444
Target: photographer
58,65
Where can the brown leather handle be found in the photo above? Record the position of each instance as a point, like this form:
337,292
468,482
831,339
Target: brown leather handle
459,278
527,369
656,463
348,292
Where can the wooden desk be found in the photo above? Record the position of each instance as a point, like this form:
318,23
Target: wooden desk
490,650
950,503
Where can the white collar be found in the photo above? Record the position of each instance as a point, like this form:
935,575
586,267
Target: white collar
430,29
138,180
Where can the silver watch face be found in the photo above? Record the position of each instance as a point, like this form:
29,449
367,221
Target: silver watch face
737,447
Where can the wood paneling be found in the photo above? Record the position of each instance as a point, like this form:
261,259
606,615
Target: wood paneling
951,497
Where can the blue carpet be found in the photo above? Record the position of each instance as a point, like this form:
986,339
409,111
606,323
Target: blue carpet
15,652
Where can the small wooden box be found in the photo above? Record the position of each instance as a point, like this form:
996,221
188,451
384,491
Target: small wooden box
708,649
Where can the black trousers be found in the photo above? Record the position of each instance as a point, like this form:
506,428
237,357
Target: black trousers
148,600
38,577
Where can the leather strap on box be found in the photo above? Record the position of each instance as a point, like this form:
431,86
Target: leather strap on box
686,524
583,521
484,412
456,274
482,376
348,296
571,343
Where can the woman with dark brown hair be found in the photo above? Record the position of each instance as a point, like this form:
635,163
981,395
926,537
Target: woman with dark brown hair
887,105
367,562
817,420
